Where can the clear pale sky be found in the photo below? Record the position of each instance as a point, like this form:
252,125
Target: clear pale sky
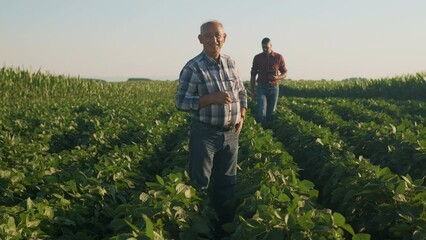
115,40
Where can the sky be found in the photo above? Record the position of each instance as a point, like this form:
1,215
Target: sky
116,40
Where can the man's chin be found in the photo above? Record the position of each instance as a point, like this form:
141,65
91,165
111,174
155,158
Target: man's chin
213,52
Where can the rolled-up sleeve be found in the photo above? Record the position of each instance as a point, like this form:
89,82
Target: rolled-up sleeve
187,97
283,68
242,93
254,67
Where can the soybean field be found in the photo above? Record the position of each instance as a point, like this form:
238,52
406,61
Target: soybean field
84,159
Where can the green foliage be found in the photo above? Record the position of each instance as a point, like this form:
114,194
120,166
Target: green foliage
86,159
274,202
372,198
400,87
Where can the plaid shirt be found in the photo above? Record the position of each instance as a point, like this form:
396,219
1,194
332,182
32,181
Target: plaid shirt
203,75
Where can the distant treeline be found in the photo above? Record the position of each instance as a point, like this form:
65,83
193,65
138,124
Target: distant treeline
402,87
93,79
138,79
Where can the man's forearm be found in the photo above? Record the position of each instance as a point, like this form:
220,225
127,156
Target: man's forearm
252,83
280,77
243,112
204,101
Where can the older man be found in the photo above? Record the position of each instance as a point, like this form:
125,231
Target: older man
211,90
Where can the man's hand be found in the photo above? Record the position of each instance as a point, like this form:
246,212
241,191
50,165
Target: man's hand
276,81
239,126
253,94
252,87
220,98
277,78
272,77
215,98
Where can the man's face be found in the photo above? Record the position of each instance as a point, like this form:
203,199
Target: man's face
267,48
212,39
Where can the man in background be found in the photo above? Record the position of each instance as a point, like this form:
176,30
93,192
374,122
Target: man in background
270,68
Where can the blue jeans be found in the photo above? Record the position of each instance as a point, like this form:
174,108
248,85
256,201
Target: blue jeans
213,152
267,98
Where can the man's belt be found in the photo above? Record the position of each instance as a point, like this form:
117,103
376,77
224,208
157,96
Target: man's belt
219,128
269,84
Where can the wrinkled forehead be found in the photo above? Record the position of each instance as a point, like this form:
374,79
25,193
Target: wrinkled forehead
211,27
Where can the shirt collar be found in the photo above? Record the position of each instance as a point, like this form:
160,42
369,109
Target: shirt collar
212,61
272,54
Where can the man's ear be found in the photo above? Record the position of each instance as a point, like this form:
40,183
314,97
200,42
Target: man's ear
224,37
200,38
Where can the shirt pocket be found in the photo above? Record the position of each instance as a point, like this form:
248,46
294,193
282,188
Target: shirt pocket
231,88
230,84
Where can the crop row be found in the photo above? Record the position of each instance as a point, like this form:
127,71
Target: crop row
82,159
88,193
399,88
399,144
69,160
373,199
85,160
272,202
62,171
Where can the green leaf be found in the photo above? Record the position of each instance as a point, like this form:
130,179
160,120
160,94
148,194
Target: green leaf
401,188
361,236
305,222
283,197
72,185
274,191
180,187
149,227
246,222
136,229
29,204
144,197
31,223
338,219
407,179
11,225
306,185
265,190
64,202
48,212
348,228
160,180
188,193
313,193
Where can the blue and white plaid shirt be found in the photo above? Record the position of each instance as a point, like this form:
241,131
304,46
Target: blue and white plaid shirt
203,75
